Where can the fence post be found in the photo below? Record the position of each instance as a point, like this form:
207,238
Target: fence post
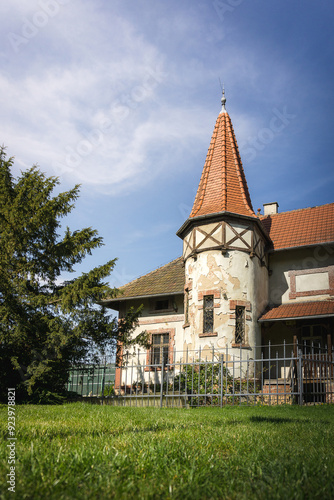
221,380
103,380
162,380
300,376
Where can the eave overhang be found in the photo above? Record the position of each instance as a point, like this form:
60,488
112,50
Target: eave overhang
111,303
299,311
291,318
301,247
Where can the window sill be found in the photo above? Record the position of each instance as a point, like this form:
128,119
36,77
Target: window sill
212,334
161,311
241,346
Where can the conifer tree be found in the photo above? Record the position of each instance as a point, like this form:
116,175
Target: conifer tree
47,325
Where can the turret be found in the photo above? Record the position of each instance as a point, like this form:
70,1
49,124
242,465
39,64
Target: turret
224,251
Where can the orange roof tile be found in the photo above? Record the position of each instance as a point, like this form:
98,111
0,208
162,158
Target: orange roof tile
299,310
307,226
223,185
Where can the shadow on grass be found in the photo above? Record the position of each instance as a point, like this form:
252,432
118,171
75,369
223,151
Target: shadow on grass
282,420
278,420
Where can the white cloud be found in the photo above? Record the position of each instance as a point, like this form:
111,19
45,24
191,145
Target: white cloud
99,115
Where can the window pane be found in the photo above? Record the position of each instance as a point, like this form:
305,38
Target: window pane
208,314
156,355
317,331
186,307
160,348
165,338
165,354
161,304
239,324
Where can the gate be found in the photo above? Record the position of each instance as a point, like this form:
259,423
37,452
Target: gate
313,375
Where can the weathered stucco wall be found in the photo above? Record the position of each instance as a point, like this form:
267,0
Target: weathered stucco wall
234,278
301,275
152,321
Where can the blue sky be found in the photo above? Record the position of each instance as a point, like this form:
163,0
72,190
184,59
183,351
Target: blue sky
122,97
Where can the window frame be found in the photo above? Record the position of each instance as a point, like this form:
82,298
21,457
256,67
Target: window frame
160,346
153,305
240,323
161,331
208,310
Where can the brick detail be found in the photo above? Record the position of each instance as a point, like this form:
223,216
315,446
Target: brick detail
215,293
164,319
275,388
244,303
292,275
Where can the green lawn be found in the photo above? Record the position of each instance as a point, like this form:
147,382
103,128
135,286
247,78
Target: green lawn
83,451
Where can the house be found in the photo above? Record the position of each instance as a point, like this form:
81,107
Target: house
245,279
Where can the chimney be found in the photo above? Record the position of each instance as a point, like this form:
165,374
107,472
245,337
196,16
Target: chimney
270,208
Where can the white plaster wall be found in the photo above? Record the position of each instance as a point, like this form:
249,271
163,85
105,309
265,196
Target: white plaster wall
150,322
281,262
312,282
237,277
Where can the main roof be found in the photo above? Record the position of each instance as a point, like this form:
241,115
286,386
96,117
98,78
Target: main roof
166,280
223,185
304,227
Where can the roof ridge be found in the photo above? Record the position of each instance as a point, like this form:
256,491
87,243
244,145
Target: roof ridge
239,167
149,273
295,210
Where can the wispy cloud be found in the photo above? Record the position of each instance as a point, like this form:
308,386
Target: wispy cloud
95,111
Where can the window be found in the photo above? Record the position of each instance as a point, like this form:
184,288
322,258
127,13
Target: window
160,348
208,314
161,305
313,335
186,307
239,324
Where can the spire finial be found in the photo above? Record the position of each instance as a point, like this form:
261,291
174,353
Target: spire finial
223,101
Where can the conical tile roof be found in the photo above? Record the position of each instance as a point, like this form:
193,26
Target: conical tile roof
223,185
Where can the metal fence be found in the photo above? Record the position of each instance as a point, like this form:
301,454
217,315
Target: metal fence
266,375
93,380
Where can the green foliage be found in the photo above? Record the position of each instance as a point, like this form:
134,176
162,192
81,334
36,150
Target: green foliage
203,378
109,390
209,379
46,324
197,377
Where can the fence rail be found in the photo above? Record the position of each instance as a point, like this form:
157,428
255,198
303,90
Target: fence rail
279,374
